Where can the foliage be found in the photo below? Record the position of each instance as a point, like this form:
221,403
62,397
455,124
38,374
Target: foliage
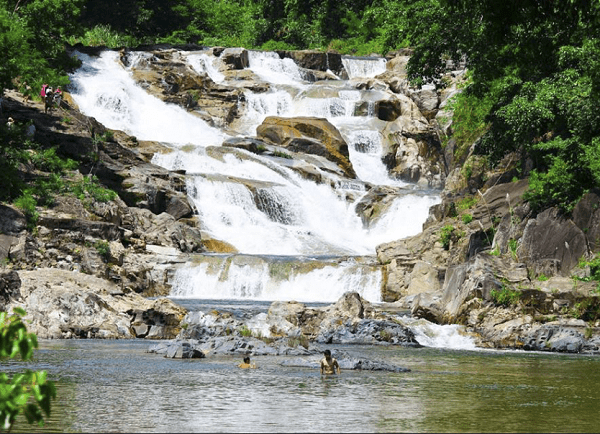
512,247
89,187
32,52
103,249
446,236
245,331
12,153
505,296
467,218
466,203
27,203
469,119
48,161
28,393
104,35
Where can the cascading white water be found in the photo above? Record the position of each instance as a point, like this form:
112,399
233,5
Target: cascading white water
103,89
202,63
364,67
259,279
252,202
273,69
434,335
366,155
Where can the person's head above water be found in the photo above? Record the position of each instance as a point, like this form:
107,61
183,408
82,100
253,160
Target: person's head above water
327,353
247,359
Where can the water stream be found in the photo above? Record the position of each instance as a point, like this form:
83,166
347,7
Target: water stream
258,204
116,386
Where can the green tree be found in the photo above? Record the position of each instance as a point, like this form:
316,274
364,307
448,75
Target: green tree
32,38
28,393
536,64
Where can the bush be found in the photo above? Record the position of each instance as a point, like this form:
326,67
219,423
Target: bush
505,297
103,249
89,187
28,393
245,331
27,203
446,236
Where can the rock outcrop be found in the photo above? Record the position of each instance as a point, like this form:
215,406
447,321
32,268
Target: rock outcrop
308,135
66,304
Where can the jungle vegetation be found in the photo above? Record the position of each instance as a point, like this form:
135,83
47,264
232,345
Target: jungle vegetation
534,65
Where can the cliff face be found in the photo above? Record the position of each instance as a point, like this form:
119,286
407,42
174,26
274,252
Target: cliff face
483,258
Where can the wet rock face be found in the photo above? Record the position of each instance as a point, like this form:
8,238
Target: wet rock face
553,338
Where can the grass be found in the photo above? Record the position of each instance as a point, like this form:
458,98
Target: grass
505,297
245,331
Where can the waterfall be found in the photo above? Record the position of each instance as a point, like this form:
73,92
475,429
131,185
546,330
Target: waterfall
366,154
364,66
202,63
287,229
434,335
105,90
253,277
273,69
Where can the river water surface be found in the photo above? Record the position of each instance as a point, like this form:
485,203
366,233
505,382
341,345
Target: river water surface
117,386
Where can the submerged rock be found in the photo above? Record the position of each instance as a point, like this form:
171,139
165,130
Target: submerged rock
346,362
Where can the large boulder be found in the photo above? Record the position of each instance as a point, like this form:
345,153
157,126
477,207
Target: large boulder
476,279
309,135
552,244
586,215
13,225
10,287
66,304
315,60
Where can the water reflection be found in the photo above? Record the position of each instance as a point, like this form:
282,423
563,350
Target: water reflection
117,386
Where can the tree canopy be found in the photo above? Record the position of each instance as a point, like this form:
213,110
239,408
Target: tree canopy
533,64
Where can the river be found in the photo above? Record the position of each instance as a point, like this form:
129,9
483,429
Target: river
116,386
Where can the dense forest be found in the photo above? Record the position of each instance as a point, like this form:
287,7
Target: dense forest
533,65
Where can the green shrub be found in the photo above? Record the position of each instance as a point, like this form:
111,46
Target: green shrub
512,246
89,187
103,249
104,35
446,236
467,203
282,155
505,297
47,161
272,45
245,331
467,218
28,393
27,203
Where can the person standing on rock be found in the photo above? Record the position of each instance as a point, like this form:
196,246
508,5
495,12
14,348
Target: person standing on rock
329,365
